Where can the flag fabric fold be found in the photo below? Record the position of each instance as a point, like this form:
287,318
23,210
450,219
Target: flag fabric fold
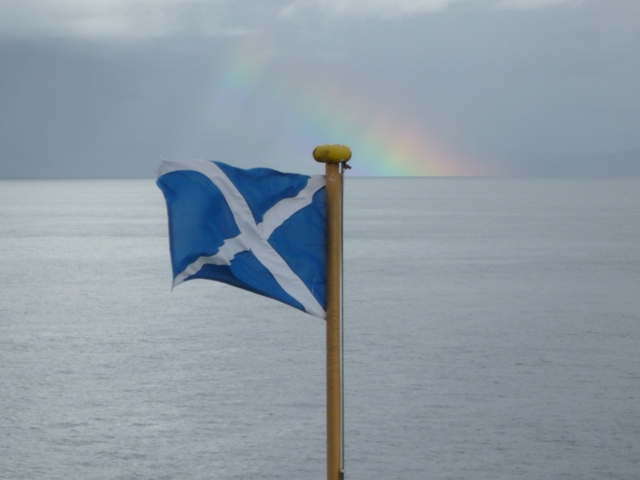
257,229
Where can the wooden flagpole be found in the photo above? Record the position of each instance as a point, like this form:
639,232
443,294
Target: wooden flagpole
333,156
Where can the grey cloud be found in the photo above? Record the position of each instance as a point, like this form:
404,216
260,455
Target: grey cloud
113,19
134,19
543,91
395,9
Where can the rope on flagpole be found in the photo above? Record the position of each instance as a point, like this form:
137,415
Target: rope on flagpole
343,166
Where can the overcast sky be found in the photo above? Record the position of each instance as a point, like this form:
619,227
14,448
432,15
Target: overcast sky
104,88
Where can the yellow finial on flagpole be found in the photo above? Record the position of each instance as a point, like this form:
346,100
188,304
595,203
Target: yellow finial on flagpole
333,156
332,153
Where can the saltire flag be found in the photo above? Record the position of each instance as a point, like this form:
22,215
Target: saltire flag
257,229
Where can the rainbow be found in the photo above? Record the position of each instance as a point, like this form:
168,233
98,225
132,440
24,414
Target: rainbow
301,114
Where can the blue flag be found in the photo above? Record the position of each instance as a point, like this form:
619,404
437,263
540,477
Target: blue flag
259,229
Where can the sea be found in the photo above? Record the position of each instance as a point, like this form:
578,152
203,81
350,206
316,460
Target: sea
491,331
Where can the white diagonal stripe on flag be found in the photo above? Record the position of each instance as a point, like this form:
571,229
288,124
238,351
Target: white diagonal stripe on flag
284,209
253,237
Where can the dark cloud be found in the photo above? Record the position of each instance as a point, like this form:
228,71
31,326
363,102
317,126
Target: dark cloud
545,91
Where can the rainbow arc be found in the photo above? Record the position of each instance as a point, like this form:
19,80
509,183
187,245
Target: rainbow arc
301,114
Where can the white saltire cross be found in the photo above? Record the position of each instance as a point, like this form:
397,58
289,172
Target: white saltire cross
253,236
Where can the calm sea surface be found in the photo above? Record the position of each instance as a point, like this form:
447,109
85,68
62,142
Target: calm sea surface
492,332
